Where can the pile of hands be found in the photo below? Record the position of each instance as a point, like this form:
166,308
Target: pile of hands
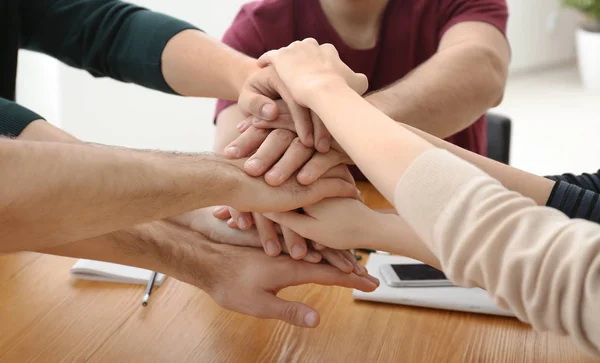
297,170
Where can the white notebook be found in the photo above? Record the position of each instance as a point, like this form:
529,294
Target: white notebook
473,300
111,272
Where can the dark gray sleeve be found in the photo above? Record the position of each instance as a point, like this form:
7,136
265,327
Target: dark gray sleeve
14,118
576,195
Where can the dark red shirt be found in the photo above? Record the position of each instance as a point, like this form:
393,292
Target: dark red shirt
410,34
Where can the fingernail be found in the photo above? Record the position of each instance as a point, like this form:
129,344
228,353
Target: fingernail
241,125
271,248
219,210
373,280
254,164
323,145
311,319
298,251
232,151
360,269
242,222
313,257
268,111
256,120
275,174
306,176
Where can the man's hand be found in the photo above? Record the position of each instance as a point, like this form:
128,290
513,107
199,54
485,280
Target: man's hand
246,280
254,195
241,279
265,85
216,230
280,153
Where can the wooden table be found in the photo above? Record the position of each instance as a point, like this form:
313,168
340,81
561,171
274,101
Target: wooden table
46,317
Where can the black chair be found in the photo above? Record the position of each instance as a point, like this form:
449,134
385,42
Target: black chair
498,133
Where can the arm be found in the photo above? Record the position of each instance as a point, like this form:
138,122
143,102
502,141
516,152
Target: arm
241,279
532,260
132,44
90,190
448,92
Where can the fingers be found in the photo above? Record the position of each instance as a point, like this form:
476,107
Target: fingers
292,312
293,159
336,259
296,244
256,104
268,235
350,257
246,143
328,275
281,123
269,152
330,188
301,224
221,213
317,246
242,219
318,165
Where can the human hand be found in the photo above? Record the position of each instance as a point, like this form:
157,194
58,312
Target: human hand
280,153
339,223
253,194
266,84
244,279
304,66
216,230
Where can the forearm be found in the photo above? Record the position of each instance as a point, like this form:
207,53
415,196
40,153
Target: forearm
529,185
194,64
157,246
448,92
394,235
60,192
390,149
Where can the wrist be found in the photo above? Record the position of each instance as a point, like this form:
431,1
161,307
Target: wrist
321,93
245,68
178,252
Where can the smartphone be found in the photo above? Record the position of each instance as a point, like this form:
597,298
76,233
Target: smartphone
413,275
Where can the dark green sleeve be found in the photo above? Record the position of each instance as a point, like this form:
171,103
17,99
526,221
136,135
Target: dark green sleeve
105,37
14,118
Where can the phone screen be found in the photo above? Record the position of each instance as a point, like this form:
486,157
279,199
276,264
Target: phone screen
418,272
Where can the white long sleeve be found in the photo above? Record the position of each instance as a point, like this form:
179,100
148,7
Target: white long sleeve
532,260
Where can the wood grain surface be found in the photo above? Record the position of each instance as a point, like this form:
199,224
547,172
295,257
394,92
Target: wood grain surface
47,317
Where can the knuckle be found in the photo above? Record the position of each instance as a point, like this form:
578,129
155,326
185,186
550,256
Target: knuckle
283,135
290,313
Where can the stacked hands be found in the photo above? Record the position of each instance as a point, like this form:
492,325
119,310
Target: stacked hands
293,142
302,167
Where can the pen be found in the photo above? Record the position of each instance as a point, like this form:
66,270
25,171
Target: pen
149,288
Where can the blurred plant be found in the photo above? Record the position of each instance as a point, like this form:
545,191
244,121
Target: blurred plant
591,10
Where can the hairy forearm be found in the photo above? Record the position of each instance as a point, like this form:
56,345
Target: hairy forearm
194,64
54,192
157,246
447,93
533,186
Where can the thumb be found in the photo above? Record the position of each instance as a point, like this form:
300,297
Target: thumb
258,105
359,83
292,312
330,188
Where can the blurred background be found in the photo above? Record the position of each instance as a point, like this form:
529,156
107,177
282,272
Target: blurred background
555,116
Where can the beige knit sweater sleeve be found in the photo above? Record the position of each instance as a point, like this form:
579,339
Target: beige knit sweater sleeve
532,260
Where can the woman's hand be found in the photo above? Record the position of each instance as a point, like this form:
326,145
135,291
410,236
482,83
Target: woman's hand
339,223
